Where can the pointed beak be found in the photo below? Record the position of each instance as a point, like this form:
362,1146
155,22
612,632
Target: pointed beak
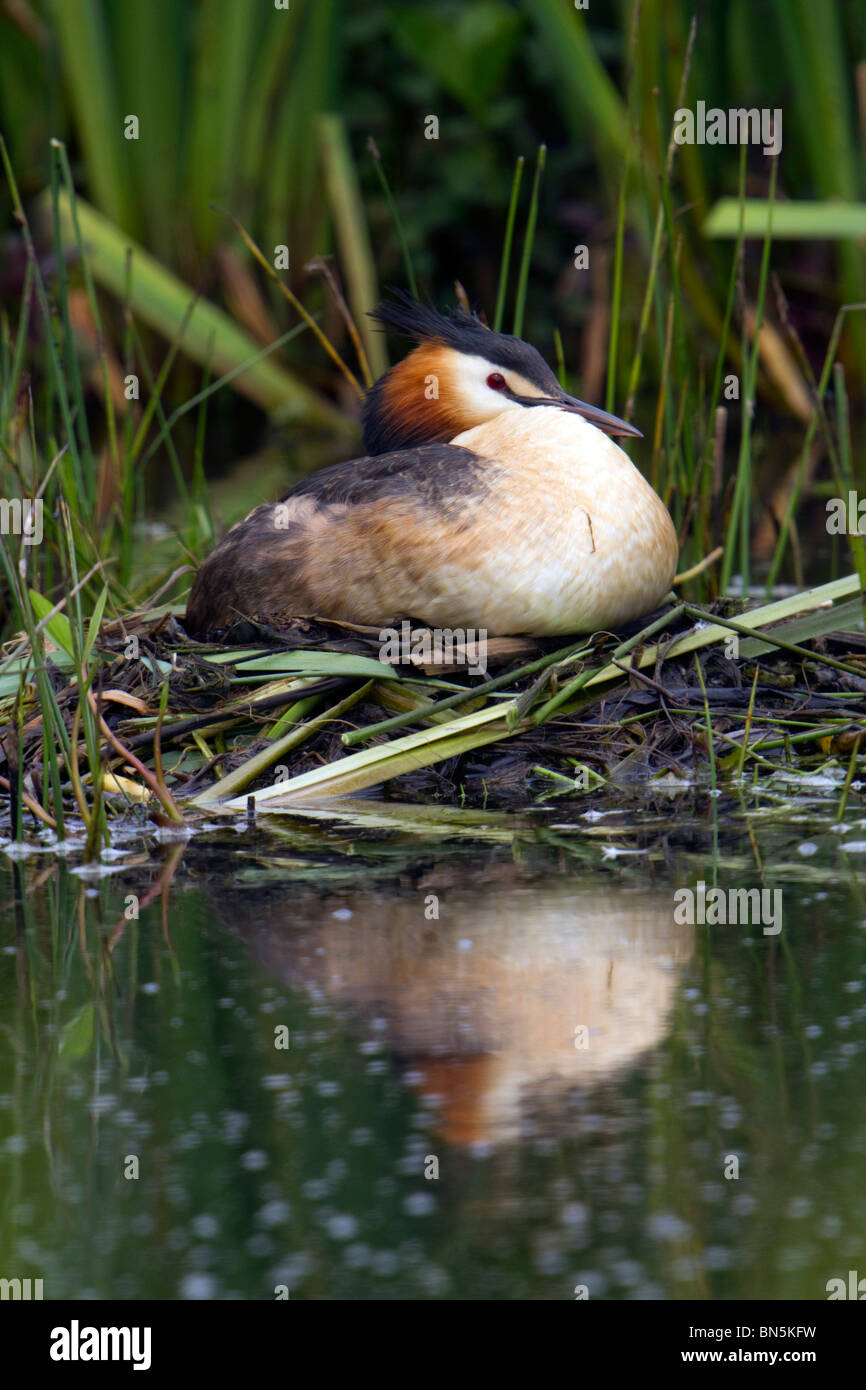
611,424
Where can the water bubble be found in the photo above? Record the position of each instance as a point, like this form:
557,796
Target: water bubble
198,1286
274,1213
342,1226
666,1225
419,1204
205,1226
717,1257
254,1160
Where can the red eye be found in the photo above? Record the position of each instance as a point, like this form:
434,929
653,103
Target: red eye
496,381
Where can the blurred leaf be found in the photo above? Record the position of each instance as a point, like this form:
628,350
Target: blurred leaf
210,337
590,102
27,101
149,64
290,173
821,92
91,72
76,1037
347,207
13,672
320,664
58,628
823,221
95,623
467,51
227,39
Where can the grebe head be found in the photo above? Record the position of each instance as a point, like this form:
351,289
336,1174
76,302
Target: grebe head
459,375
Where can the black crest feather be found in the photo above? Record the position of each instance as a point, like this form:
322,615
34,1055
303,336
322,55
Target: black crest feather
465,333
422,323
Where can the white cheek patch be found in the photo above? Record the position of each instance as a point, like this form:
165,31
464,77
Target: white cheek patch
480,400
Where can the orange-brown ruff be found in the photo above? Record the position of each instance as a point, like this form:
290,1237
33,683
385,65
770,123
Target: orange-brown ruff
488,499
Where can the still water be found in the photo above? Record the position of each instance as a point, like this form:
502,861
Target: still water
409,1053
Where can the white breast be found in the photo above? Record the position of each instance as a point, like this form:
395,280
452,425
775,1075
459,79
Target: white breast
578,540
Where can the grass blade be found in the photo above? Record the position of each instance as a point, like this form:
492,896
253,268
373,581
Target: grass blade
532,218
162,301
356,253
506,246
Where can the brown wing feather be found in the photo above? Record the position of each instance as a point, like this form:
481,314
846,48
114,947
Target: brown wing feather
304,554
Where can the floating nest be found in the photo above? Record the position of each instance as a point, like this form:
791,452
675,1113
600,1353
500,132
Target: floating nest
312,713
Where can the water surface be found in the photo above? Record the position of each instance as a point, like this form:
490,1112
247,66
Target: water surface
422,1054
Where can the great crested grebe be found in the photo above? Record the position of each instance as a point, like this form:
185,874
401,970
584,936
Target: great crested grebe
489,499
